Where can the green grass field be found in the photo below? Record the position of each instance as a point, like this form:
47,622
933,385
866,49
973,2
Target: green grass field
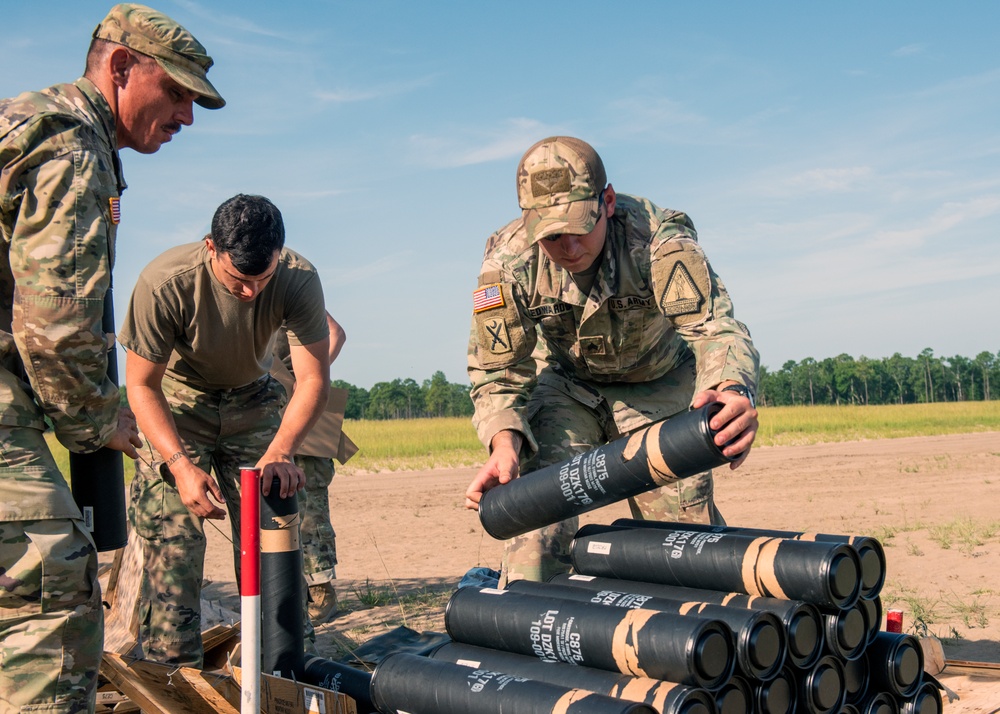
416,444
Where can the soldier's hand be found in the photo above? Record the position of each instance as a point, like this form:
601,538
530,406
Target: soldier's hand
735,425
502,467
290,476
126,437
197,489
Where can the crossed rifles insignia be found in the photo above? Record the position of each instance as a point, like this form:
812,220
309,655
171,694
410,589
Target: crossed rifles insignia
497,331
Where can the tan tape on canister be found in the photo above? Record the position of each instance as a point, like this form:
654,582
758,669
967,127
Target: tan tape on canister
623,641
749,565
634,689
811,537
284,538
663,690
689,607
766,578
569,699
632,446
658,469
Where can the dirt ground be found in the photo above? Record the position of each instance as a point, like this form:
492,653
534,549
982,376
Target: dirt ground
404,540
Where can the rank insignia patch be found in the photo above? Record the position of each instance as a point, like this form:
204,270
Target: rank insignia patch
681,296
115,203
487,297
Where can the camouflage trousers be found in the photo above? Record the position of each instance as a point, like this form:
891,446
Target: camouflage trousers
563,428
221,430
51,621
318,539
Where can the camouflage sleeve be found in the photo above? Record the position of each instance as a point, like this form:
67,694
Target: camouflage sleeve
61,256
501,368
693,298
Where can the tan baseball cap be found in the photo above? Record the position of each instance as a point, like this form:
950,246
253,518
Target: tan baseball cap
559,180
175,49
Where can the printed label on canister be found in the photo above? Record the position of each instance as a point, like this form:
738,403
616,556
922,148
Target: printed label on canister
584,578
88,518
554,639
581,478
598,547
475,664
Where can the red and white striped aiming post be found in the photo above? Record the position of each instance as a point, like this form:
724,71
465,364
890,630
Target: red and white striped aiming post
250,589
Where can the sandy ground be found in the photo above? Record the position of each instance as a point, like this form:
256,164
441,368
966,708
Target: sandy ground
405,538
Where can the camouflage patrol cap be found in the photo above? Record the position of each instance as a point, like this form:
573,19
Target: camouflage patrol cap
559,180
175,49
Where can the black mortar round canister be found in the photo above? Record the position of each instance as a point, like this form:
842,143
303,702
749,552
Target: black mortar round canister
777,696
878,703
824,574
688,650
856,678
418,685
339,677
821,687
802,622
665,697
897,664
846,631
657,455
735,697
759,635
926,700
871,555
281,585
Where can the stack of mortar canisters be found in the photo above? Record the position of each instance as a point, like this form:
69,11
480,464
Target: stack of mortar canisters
675,618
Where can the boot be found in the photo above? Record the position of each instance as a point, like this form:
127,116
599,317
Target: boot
322,603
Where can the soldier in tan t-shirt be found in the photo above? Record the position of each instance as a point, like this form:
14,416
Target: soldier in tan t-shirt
200,332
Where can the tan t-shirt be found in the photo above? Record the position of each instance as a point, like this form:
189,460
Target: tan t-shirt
180,314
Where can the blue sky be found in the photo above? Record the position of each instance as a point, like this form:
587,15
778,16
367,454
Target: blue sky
838,159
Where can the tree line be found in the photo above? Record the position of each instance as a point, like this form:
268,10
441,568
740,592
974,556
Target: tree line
405,399
925,378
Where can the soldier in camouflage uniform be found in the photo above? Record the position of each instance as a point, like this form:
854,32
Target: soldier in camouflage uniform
199,334
325,442
597,314
60,184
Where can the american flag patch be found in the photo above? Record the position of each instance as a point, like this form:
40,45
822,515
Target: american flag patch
487,297
116,209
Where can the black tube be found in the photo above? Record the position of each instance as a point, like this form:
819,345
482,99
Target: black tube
688,650
856,678
846,631
802,622
897,664
735,697
777,696
870,552
655,456
281,582
759,636
878,703
341,678
821,687
97,479
418,685
849,709
825,574
664,697
873,616
926,700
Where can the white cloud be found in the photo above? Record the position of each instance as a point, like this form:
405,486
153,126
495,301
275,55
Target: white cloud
908,50
466,147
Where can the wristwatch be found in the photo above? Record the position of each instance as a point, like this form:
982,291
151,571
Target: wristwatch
742,391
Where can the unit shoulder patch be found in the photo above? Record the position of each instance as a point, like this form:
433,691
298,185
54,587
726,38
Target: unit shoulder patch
685,284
